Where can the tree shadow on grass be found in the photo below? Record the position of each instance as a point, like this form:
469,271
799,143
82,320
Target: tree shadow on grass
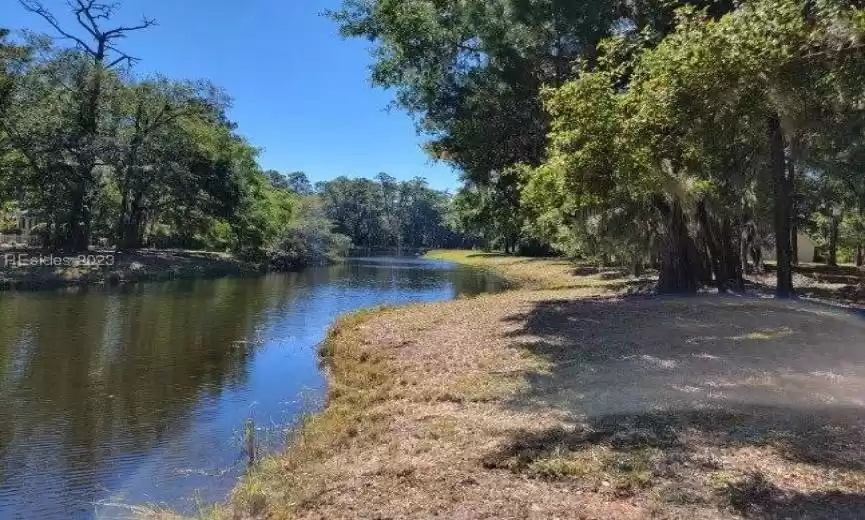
755,497
686,379
827,438
638,353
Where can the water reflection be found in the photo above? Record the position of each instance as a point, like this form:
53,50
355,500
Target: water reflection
137,394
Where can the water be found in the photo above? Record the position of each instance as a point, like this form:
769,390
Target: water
138,395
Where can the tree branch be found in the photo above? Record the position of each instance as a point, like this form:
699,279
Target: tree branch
118,32
20,145
88,13
123,57
84,11
35,7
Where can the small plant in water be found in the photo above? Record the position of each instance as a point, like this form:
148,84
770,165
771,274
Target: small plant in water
249,440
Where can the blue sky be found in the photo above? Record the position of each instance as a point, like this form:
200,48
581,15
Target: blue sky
301,92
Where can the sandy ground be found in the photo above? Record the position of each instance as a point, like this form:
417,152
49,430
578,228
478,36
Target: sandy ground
578,403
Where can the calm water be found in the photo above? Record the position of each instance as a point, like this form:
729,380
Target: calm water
138,395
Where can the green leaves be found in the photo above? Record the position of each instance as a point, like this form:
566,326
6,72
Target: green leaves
386,213
684,120
167,168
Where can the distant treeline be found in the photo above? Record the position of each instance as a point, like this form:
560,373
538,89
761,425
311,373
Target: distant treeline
386,213
373,215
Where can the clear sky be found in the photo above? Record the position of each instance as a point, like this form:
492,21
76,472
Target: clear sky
301,92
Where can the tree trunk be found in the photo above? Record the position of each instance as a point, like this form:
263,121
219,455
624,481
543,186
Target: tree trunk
781,186
637,266
130,227
73,219
725,262
133,231
794,214
79,221
736,280
122,220
834,230
794,240
746,242
860,255
680,265
77,233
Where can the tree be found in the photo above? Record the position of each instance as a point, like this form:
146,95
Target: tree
299,183
472,72
492,209
387,213
9,55
98,55
717,109
150,160
309,239
277,180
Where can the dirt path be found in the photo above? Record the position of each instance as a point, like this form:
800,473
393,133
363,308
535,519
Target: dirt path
575,403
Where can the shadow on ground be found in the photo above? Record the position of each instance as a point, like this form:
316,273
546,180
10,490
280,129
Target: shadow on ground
753,407
754,497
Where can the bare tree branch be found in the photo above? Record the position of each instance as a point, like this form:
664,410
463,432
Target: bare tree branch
88,13
35,6
85,11
130,60
118,32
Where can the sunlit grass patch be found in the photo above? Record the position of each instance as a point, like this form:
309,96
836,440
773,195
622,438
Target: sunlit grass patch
487,387
598,466
548,273
359,379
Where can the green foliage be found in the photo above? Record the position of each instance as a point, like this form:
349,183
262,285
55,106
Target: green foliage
308,240
492,211
386,213
101,155
472,73
689,130
10,54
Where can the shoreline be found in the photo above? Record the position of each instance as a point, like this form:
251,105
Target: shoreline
360,378
566,398
109,268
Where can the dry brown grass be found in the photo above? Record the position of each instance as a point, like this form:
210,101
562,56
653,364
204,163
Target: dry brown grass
575,403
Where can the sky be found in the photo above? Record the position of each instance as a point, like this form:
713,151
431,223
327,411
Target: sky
301,92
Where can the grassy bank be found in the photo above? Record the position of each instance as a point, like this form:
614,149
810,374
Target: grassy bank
564,400
21,270
531,273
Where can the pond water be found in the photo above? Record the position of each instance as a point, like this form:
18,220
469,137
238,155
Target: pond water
111,398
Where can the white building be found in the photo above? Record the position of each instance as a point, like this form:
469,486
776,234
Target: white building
806,247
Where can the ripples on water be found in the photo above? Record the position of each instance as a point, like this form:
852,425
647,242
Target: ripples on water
138,395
